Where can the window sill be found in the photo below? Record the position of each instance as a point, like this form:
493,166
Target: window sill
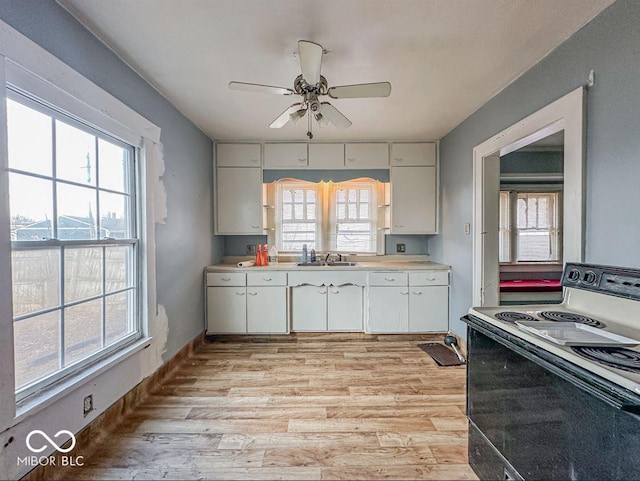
37,402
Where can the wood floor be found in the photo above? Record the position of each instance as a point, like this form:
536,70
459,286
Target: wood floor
303,407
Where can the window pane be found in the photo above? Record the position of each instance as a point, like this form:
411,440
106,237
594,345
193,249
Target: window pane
287,211
352,195
76,212
119,268
534,246
82,330
75,154
35,280
311,196
118,316
114,166
31,202
342,211
298,212
29,139
311,211
36,347
114,218
286,196
298,195
364,210
82,273
353,213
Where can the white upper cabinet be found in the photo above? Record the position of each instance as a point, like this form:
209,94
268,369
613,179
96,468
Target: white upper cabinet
238,155
326,156
413,154
367,156
413,200
238,200
285,155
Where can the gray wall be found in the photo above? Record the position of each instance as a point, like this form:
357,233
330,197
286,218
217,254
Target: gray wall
532,163
184,243
610,45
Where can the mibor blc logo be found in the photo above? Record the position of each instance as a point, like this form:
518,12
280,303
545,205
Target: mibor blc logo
37,441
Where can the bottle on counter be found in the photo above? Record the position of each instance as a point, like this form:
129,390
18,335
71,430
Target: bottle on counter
304,253
265,256
259,255
313,255
273,255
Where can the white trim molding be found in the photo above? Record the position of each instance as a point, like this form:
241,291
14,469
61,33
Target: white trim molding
566,113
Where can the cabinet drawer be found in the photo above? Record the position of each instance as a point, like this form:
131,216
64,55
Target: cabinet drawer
388,278
226,279
266,278
429,278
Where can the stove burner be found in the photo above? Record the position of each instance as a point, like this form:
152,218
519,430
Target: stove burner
571,317
617,357
510,316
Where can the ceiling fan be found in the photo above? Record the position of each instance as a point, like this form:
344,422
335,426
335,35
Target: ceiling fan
311,85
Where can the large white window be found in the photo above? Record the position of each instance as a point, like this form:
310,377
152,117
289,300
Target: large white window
530,227
326,216
74,242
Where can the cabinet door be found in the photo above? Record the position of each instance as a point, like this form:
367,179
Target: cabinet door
413,200
308,308
326,156
388,310
344,308
266,310
238,200
285,156
429,309
238,155
226,310
413,154
367,156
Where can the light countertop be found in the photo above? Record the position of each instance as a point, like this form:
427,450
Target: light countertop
362,266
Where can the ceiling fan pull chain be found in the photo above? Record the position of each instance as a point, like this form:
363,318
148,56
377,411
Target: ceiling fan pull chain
309,134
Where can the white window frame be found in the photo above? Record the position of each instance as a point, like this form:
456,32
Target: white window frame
511,228
62,245
30,68
326,213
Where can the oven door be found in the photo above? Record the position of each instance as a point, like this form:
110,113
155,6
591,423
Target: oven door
543,417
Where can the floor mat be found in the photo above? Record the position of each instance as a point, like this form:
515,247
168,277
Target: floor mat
442,355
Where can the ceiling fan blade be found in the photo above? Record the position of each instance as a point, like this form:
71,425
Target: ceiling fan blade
334,116
267,89
310,61
379,89
284,117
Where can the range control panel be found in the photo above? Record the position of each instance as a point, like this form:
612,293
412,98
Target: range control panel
615,281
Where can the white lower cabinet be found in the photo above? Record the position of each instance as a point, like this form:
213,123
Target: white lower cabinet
267,310
226,310
429,309
309,308
388,309
344,308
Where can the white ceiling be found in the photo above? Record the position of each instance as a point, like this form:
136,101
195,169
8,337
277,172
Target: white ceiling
444,58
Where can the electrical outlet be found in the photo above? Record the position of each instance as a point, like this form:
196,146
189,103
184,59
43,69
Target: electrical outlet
88,404
251,249
467,228
400,248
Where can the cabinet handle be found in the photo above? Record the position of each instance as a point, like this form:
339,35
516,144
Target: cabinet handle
226,279
351,159
266,279
253,293
321,291
398,225
239,293
398,159
255,160
389,279
302,160
417,293
405,293
255,226
335,292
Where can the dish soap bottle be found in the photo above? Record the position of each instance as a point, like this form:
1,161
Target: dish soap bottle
259,255
273,254
304,253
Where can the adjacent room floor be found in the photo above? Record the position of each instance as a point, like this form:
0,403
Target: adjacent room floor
299,407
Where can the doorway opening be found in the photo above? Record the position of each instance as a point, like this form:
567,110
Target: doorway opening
562,118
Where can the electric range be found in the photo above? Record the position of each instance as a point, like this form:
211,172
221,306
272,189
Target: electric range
606,298
547,408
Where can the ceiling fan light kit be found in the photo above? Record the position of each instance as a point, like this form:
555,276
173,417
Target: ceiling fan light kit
310,85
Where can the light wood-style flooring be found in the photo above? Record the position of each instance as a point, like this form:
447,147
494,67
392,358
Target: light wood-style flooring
302,407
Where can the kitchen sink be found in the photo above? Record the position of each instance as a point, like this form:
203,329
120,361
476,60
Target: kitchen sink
329,264
310,264
342,264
